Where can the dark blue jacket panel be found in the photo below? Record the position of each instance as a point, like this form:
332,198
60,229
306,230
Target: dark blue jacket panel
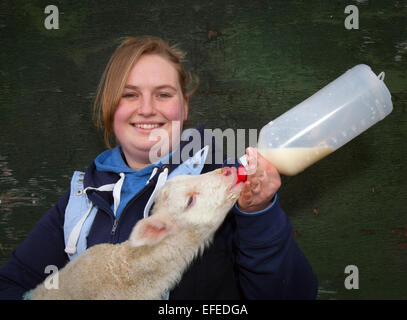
44,246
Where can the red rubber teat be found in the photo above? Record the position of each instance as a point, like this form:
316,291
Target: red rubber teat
241,174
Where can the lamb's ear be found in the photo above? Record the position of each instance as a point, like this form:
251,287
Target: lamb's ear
151,230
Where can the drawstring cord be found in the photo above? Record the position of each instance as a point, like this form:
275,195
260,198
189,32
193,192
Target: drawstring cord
162,178
74,236
116,192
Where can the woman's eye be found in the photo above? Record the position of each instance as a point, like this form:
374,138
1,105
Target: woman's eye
164,95
129,95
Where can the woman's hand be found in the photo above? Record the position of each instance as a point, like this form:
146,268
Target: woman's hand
263,181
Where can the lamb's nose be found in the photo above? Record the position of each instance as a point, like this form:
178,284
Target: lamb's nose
227,171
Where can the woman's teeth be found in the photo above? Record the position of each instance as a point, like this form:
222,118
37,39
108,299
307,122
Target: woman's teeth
146,126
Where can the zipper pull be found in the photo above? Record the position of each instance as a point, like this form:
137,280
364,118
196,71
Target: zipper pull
114,226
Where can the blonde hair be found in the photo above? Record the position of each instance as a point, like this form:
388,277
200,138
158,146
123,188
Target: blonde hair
118,68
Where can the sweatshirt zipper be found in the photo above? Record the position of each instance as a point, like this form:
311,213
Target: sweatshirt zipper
116,221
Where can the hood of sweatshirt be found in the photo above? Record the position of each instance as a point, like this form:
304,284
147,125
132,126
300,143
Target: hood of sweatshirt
131,181
112,161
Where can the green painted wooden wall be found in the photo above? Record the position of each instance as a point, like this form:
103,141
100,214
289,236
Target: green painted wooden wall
255,60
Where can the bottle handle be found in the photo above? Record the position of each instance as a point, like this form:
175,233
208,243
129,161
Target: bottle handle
381,75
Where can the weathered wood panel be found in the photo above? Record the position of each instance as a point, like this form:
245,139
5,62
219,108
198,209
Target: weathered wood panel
255,60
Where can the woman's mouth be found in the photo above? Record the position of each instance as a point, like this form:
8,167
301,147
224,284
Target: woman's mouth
146,126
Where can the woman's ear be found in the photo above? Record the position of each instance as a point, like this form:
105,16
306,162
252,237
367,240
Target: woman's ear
151,230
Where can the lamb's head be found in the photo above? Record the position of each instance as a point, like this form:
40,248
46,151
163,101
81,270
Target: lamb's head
197,204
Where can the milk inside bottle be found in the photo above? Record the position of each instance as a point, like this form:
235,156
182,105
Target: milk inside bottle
325,121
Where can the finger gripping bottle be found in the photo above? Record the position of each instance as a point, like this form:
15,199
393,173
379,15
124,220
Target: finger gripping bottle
325,121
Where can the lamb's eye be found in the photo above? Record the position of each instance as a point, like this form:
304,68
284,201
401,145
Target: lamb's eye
191,200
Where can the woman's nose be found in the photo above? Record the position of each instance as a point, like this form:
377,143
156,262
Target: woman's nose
146,107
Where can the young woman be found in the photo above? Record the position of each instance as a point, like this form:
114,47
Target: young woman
145,90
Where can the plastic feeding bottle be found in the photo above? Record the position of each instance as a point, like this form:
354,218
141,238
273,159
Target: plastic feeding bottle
325,121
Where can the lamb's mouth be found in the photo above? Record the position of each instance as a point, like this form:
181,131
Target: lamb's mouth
234,191
236,187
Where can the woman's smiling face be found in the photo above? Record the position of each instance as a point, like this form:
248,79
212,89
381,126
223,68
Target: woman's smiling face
152,98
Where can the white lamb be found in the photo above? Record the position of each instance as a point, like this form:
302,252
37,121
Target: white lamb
187,212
